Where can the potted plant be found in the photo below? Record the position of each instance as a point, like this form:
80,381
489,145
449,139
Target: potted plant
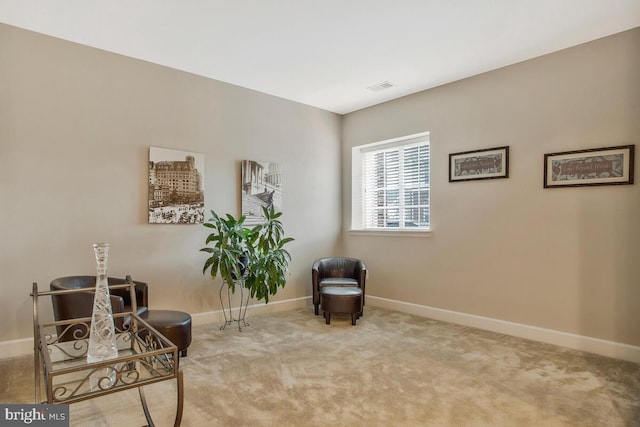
253,258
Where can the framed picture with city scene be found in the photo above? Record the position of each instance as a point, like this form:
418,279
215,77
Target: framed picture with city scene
489,163
596,166
261,187
176,193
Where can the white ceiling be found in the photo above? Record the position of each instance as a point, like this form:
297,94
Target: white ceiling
326,53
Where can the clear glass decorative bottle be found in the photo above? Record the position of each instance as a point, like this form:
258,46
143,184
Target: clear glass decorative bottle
102,338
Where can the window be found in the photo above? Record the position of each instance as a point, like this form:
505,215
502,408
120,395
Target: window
390,184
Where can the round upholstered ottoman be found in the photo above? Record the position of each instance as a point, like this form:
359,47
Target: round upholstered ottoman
341,299
175,325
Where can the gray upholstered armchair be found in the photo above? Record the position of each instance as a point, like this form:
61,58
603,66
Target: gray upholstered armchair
337,271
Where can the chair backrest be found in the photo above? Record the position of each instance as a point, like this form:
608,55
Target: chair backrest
80,304
79,282
339,267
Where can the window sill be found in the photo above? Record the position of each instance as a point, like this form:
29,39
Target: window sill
389,232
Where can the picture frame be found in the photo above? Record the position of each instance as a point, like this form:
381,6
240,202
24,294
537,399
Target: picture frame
261,187
590,167
488,163
175,180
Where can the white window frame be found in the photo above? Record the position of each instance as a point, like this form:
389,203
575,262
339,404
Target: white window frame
357,182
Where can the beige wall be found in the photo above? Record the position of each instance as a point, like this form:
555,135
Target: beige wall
565,259
75,128
76,124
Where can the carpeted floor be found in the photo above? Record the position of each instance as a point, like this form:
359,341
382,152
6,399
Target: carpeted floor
392,369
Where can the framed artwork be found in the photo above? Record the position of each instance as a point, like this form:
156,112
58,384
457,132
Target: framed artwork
489,163
176,193
596,166
261,186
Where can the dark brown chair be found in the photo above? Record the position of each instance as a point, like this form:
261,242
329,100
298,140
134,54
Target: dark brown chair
337,272
79,305
174,325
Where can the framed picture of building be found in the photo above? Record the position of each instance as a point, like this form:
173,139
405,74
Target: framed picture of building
176,194
261,186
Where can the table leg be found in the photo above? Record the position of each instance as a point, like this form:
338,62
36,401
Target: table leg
180,398
179,402
145,408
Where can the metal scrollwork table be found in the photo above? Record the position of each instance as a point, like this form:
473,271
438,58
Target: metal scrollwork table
60,358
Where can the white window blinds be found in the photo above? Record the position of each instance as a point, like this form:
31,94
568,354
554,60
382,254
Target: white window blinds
395,184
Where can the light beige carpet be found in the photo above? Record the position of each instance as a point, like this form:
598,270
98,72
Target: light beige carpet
392,369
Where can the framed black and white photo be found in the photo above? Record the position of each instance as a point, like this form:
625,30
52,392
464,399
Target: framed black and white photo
261,186
176,194
596,166
489,163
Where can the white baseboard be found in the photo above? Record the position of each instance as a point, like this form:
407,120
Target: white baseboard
550,336
16,348
218,317
23,347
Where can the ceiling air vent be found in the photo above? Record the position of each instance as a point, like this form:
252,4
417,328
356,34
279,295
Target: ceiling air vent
380,86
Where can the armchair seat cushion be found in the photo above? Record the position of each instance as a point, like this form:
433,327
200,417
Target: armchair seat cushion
140,312
338,281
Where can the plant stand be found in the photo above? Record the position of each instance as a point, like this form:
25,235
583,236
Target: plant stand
227,311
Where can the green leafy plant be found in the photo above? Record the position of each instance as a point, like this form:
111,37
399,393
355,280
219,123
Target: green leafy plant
253,257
